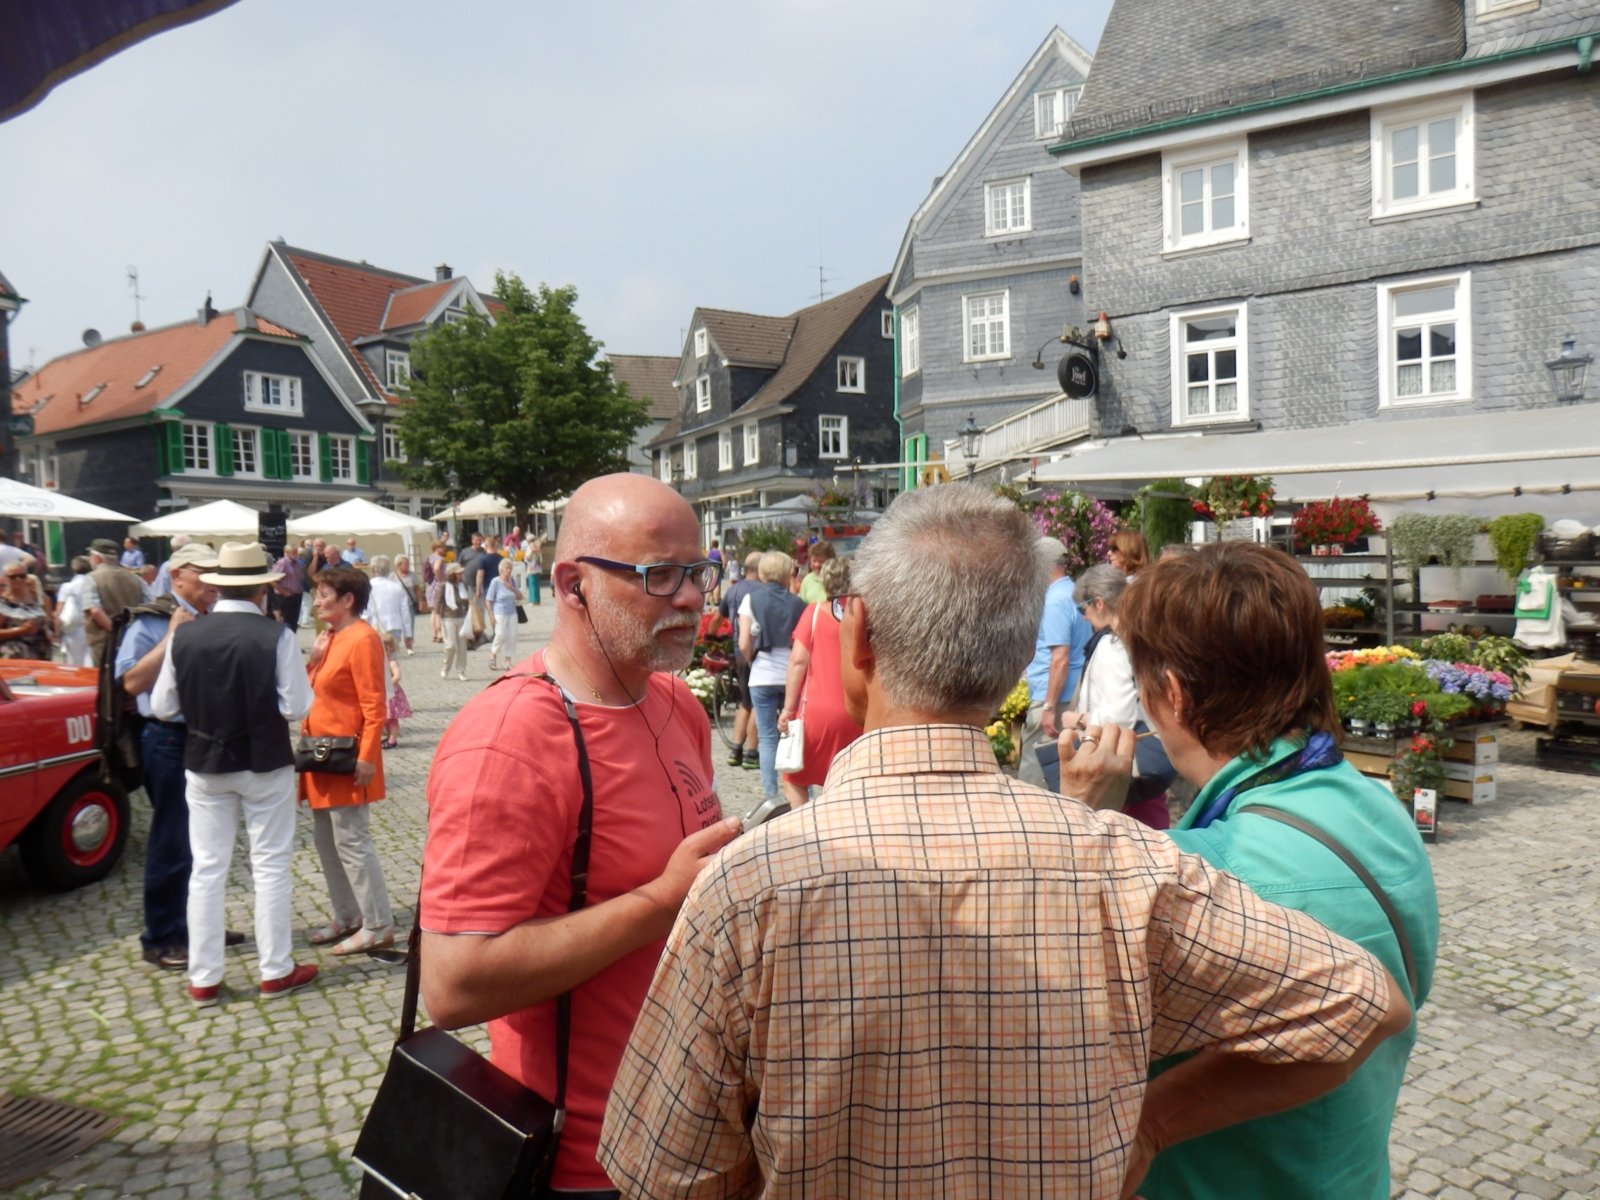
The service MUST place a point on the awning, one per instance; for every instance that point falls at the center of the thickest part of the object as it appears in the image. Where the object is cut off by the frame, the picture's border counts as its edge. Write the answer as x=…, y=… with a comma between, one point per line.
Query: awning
x=1541, y=441
x=219, y=519
x=18, y=499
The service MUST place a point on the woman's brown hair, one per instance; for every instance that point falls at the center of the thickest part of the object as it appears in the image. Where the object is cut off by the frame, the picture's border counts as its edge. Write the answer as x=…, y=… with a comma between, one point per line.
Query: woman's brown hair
x=347, y=581
x=1240, y=628
x=1131, y=545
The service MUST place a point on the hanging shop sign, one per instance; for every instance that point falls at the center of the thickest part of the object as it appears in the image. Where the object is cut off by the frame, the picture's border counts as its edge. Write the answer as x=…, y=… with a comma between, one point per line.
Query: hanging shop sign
x=1077, y=373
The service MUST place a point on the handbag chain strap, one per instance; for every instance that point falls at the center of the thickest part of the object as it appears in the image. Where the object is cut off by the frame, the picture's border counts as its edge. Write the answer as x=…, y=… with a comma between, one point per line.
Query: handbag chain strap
x=580, y=895
x=1350, y=860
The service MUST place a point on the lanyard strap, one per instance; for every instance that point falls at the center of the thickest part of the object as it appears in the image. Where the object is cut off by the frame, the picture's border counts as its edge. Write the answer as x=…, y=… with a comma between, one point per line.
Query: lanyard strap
x=580, y=895
x=1319, y=753
x=1350, y=860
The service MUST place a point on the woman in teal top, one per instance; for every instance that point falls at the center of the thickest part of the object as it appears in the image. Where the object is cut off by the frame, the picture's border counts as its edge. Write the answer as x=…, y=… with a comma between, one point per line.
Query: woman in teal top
x=1227, y=647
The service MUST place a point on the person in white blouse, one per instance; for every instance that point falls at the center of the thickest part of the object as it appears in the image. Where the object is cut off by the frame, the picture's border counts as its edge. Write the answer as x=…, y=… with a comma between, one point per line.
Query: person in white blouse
x=388, y=608
x=1108, y=695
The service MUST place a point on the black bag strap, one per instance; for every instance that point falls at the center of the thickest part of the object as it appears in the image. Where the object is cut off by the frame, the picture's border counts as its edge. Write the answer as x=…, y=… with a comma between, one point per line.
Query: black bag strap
x=580, y=895
x=1361, y=873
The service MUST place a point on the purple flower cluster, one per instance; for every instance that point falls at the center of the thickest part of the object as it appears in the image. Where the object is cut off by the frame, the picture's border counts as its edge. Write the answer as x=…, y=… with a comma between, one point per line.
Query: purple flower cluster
x=1468, y=680
x=1084, y=525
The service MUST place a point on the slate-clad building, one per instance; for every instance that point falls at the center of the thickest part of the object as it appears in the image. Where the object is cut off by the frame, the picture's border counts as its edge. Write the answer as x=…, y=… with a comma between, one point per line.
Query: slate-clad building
x=226, y=406
x=651, y=378
x=767, y=406
x=983, y=281
x=1313, y=217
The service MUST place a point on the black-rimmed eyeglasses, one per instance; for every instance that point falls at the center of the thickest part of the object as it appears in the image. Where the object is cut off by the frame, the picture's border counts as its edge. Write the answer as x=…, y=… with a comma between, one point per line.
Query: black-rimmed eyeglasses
x=663, y=578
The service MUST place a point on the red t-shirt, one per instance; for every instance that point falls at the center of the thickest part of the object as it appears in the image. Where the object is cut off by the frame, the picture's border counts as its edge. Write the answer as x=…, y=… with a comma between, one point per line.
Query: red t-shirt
x=503, y=801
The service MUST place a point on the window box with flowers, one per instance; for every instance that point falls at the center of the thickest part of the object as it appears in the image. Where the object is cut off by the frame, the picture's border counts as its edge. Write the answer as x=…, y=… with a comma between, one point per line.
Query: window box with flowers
x=1328, y=526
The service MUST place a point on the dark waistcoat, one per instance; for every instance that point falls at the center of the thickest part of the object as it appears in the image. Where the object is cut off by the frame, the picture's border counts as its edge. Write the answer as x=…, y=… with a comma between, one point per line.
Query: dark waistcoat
x=226, y=667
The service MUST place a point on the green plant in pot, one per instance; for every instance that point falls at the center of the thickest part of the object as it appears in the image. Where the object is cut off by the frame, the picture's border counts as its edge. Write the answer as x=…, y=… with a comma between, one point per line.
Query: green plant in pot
x=1165, y=513
x=1513, y=537
x=1418, y=537
x=1386, y=710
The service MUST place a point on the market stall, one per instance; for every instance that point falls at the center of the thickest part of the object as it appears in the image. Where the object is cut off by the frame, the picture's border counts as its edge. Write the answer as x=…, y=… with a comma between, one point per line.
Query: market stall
x=219, y=521
x=379, y=530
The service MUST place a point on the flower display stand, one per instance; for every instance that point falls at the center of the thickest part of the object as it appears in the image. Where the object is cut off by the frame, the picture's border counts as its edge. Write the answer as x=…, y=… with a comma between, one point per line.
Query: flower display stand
x=1471, y=765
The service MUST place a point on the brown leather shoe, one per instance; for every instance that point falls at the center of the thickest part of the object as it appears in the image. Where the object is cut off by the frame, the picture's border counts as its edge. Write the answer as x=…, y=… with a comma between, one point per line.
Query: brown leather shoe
x=168, y=958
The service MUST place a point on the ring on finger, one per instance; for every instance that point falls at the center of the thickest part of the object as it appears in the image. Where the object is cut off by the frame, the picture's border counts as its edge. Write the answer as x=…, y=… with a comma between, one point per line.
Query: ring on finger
x=1086, y=740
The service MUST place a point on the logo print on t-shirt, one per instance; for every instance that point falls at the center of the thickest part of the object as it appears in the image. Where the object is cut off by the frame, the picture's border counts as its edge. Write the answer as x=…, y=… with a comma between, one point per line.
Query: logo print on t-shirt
x=706, y=804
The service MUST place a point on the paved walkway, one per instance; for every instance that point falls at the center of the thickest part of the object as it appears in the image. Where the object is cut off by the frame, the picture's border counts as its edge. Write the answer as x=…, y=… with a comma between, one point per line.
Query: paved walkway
x=265, y=1099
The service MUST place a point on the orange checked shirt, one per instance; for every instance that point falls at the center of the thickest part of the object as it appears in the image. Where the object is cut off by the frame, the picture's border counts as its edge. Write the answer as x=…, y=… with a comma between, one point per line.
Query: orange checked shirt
x=936, y=981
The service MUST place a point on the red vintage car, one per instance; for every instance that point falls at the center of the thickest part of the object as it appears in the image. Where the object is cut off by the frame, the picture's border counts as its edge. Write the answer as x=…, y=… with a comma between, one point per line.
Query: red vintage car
x=70, y=825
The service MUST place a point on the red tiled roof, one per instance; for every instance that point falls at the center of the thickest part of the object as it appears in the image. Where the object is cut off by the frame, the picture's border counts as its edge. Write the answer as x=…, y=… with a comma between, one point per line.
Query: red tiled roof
x=353, y=296
x=410, y=306
x=649, y=377
x=179, y=351
x=747, y=339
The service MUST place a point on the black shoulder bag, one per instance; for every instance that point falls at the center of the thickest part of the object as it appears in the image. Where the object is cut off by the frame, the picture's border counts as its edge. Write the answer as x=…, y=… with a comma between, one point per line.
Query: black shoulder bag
x=447, y=1122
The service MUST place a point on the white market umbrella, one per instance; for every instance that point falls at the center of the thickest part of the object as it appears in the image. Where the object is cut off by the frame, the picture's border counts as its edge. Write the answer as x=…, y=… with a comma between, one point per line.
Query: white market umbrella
x=481, y=505
x=357, y=518
x=219, y=519
x=19, y=499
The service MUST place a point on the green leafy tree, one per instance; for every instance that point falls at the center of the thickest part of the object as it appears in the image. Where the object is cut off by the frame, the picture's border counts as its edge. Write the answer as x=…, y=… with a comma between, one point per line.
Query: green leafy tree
x=522, y=407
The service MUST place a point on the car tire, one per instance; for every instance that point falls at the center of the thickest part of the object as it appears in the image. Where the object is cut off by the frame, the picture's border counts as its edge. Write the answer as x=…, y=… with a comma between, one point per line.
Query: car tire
x=79, y=836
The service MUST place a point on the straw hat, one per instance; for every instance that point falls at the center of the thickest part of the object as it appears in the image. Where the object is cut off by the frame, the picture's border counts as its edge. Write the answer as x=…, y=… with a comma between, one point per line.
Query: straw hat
x=242, y=564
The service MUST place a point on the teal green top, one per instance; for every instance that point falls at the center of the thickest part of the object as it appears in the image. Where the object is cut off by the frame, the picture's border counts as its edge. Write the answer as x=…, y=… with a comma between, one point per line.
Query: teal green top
x=1336, y=1147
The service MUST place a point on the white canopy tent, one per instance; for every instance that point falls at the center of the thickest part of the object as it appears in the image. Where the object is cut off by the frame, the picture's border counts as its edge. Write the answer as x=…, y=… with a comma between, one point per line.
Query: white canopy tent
x=18, y=499
x=221, y=519
x=480, y=505
x=381, y=530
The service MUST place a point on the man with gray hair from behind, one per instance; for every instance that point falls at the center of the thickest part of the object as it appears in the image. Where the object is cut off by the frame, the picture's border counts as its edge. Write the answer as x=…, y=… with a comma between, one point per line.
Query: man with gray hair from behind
x=936, y=980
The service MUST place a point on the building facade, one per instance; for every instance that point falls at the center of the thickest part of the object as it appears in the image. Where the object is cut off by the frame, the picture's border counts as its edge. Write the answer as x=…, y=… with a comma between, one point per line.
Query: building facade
x=986, y=279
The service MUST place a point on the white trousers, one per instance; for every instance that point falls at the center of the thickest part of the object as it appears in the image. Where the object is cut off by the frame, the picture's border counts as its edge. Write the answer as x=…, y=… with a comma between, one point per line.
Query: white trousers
x=455, y=646
x=216, y=802
x=75, y=647
x=505, y=638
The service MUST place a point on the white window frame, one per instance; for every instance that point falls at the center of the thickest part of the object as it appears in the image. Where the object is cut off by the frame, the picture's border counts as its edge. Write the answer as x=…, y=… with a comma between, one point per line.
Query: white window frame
x=197, y=440
x=260, y=394
x=1239, y=344
x=886, y=323
x=724, y=449
x=306, y=442
x=1175, y=166
x=665, y=469
x=1490, y=9
x=1064, y=101
x=251, y=435
x=392, y=447
x=1385, y=121
x=702, y=342
x=989, y=354
x=691, y=460
x=397, y=369
x=828, y=431
x=910, y=340
x=850, y=374
x=1388, y=396
x=752, y=444
x=1010, y=226
x=702, y=394
x=45, y=467
x=341, y=458
x=456, y=316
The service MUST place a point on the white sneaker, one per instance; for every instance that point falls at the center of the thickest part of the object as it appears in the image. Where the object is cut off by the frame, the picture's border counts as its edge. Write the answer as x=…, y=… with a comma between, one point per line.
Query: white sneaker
x=410, y=652
x=443, y=674
x=462, y=677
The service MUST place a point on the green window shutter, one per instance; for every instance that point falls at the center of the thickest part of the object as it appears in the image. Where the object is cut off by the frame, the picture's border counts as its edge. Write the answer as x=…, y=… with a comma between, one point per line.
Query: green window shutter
x=363, y=453
x=269, y=454
x=222, y=447
x=325, y=458
x=171, y=443
x=285, y=453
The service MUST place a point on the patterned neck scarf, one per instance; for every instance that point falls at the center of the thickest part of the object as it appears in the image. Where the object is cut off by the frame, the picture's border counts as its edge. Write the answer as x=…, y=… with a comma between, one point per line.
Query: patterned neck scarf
x=1319, y=753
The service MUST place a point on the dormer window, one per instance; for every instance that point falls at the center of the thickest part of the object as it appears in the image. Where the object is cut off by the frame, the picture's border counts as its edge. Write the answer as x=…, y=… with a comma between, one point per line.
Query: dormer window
x=271, y=393
x=702, y=343
x=397, y=369
x=1052, y=110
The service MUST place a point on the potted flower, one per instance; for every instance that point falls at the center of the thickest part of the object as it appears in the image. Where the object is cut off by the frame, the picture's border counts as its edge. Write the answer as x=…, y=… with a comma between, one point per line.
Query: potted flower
x=1387, y=710
x=1227, y=498
x=1328, y=526
x=1083, y=525
x=1420, y=764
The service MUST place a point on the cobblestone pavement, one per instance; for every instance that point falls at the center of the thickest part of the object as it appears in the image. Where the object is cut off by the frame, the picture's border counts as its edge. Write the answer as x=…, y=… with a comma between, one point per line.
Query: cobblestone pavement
x=264, y=1100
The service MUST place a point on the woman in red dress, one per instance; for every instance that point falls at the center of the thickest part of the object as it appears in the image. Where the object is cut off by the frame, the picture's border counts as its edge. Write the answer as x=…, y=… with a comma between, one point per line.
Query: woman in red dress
x=814, y=689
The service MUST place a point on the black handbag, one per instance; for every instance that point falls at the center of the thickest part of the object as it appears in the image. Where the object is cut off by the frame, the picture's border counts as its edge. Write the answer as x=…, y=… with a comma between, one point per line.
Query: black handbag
x=522, y=615
x=325, y=755
x=447, y=1122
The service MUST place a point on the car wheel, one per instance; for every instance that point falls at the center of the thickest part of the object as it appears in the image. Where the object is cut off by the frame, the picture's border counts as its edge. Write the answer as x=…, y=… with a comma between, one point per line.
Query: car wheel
x=79, y=837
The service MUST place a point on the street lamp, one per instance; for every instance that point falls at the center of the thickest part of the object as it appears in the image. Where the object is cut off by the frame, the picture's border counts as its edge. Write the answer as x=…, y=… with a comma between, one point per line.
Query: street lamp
x=970, y=436
x=1568, y=369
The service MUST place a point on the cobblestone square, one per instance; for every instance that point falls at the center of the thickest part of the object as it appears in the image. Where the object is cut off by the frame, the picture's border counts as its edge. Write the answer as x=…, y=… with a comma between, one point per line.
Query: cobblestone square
x=265, y=1100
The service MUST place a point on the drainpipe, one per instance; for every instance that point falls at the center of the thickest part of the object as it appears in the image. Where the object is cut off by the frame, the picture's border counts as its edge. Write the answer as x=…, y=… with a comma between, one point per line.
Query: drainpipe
x=1585, y=52
x=899, y=429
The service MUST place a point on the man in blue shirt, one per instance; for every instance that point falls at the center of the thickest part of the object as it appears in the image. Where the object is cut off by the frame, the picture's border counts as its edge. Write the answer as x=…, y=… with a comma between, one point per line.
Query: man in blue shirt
x=132, y=556
x=353, y=555
x=1057, y=661
x=163, y=584
x=139, y=656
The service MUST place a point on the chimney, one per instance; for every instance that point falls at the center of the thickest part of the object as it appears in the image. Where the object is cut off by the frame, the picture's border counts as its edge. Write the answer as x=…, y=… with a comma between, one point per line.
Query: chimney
x=442, y=272
x=207, y=313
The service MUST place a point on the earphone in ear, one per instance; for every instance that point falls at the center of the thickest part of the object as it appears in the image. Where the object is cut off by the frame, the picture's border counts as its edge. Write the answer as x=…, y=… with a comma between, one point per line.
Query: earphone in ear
x=577, y=590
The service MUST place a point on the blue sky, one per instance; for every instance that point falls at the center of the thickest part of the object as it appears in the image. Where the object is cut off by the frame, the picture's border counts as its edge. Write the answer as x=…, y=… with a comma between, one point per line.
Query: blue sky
x=655, y=155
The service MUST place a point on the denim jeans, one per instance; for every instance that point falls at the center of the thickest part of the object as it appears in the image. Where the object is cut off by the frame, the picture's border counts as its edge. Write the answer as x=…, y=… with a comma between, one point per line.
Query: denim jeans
x=166, y=853
x=768, y=703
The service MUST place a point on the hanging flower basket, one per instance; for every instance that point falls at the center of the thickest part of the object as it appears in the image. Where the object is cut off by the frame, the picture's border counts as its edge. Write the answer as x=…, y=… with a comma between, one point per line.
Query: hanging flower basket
x=1228, y=498
x=1327, y=526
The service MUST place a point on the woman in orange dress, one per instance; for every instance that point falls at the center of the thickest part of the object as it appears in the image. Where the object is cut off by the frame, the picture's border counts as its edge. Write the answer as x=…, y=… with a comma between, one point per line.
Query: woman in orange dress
x=347, y=669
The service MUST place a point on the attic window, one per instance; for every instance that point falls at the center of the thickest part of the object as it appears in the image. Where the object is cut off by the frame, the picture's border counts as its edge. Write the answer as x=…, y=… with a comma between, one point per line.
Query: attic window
x=89, y=396
x=147, y=377
x=700, y=343
x=1052, y=110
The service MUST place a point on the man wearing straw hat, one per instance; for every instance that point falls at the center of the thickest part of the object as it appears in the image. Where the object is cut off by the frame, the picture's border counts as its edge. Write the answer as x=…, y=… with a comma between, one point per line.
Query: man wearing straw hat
x=227, y=676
